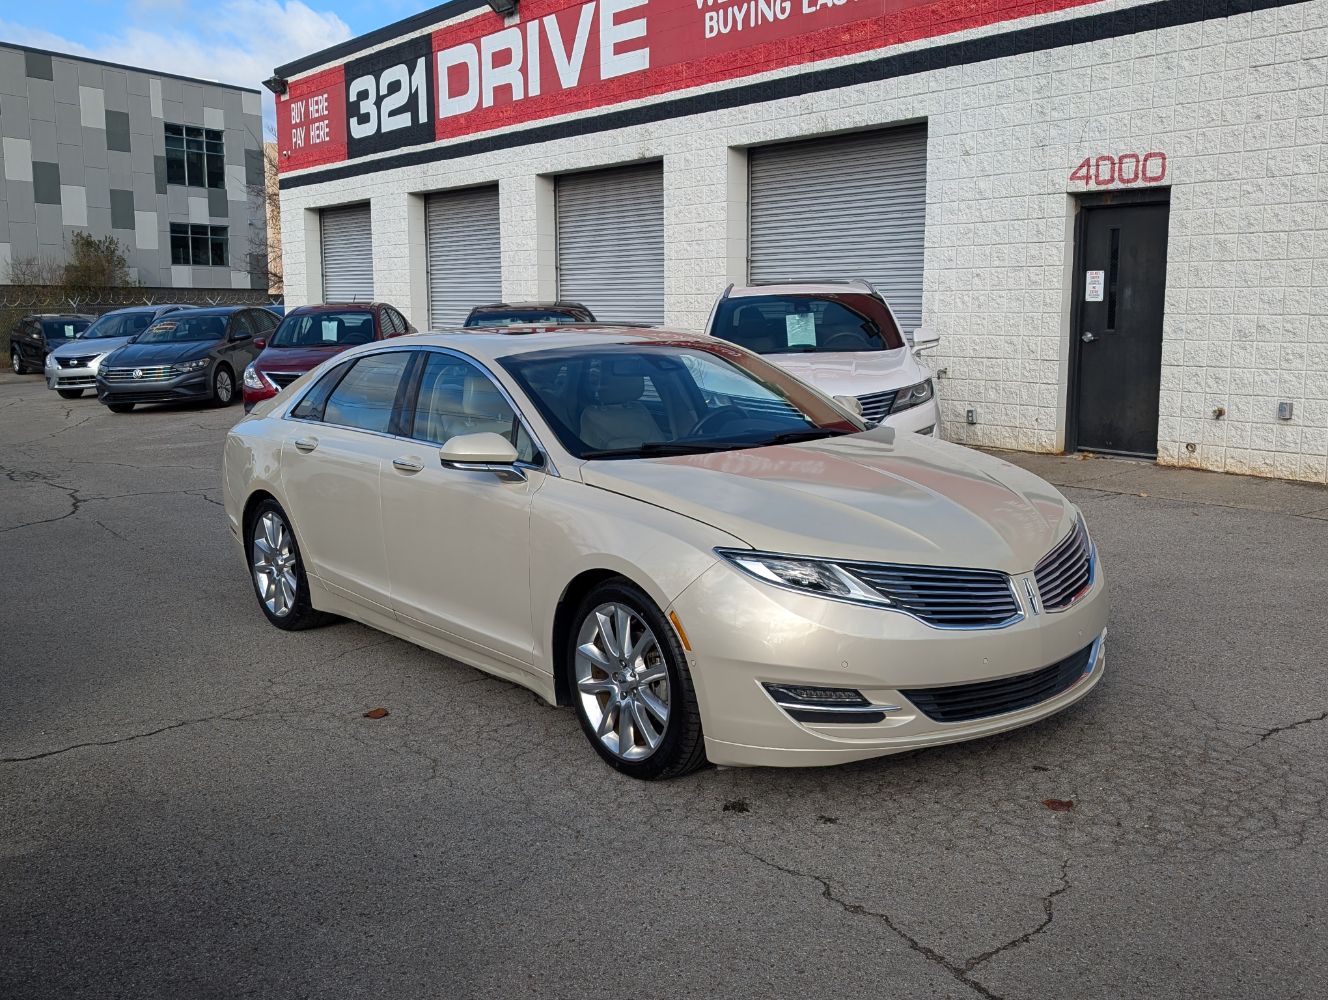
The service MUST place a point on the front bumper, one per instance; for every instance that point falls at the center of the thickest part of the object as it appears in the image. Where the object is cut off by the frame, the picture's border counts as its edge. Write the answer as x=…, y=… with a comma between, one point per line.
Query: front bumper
x=745, y=634
x=193, y=385
x=84, y=377
x=924, y=419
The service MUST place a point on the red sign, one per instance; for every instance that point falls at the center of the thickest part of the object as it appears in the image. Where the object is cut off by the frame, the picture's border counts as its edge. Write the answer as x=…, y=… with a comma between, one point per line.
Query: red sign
x=566, y=56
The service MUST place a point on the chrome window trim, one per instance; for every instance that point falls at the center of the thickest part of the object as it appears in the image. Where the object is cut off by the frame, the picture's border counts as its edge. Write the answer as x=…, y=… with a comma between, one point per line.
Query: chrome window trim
x=548, y=467
x=727, y=552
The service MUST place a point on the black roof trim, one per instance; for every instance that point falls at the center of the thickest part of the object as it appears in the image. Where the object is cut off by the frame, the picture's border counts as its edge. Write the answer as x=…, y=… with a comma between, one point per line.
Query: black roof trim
x=407, y=25
x=1019, y=41
x=124, y=66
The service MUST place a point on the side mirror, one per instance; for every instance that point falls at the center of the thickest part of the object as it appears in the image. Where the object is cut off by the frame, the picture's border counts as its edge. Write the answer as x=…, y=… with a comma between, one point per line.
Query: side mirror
x=482, y=452
x=850, y=403
x=260, y=342
x=924, y=339
x=240, y=335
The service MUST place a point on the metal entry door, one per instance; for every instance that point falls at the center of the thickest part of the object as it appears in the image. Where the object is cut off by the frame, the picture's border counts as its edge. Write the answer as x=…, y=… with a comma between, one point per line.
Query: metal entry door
x=1120, y=287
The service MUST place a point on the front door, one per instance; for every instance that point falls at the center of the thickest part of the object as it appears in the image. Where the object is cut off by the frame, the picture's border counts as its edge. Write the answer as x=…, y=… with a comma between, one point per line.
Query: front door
x=1119, y=289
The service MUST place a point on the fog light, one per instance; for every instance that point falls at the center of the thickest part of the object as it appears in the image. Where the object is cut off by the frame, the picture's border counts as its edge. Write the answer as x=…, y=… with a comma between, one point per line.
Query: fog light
x=816, y=695
x=825, y=705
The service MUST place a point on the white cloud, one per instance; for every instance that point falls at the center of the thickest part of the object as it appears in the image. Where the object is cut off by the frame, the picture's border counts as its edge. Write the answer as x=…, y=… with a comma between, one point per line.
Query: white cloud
x=231, y=41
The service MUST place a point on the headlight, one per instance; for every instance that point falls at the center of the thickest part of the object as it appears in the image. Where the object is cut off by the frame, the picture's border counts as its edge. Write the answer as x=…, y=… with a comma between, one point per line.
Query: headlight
x=253, y=379
x=806, y=576
x=193, y=366
x=50, y=361
x=914, y=395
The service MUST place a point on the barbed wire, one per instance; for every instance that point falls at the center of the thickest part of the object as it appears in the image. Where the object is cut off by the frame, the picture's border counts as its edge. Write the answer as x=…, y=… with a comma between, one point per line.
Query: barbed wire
x=36, y=299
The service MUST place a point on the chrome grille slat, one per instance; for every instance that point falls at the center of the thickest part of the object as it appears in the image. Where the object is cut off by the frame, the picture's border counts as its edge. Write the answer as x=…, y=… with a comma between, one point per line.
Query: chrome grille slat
x=151, y=373
x=877, y=405
x=943, y=596
x=1065, y=571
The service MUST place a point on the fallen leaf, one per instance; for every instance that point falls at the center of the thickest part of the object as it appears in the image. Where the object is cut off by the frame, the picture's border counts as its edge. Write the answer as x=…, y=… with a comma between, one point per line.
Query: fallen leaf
x=1058, y=805
x=1041, y=767
x=376, y=713
x=1143, y=494
x=829, y=820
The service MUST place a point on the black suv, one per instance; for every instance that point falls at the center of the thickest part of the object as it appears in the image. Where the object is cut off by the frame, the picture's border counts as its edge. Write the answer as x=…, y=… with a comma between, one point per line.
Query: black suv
x=530, y=314
x=34, y=337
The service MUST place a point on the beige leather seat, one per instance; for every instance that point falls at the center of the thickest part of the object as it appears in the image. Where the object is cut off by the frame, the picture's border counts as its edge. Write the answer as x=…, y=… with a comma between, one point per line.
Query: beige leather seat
x=484, y=408
x=619, y=419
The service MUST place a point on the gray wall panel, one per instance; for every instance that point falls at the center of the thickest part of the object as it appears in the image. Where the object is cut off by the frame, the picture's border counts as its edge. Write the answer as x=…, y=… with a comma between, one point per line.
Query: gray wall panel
x=14, y=120
x=117, y=130
x=68, y=125
x=66, y=81
x=90, y=75
x=70, y=159
x=13, y=73
x=41, y=100
x=23, y=237
x=117, y=90
x=19, y=196
x=98, y=182
x=94, y=147
x=45, y=183
x=43, y=141
x=50, y=226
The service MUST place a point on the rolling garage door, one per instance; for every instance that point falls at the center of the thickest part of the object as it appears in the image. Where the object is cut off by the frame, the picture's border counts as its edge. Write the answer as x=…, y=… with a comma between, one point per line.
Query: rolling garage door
x=851, y=206
x=347, y=255
x=611, y=242
x=465, y=254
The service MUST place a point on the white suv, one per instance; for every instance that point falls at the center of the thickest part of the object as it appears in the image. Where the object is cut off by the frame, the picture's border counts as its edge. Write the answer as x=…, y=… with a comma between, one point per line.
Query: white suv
x=840, y=336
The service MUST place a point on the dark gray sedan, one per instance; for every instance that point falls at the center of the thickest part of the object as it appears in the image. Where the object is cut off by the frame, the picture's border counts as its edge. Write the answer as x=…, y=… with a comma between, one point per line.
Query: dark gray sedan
x=197, y=354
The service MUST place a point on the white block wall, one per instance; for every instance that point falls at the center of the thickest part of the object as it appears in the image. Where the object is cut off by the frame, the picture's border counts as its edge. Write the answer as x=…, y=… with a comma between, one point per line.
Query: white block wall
x=1237, y=105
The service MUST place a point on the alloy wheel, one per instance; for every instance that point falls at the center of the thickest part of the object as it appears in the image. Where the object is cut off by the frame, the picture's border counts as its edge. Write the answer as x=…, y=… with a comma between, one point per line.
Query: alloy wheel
x=623, y=681
x=16, y=361
x=274, y=563
x=225, y=388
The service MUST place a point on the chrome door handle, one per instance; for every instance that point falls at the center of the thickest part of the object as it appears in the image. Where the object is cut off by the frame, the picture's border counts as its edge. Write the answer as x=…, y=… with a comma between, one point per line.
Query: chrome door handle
x=407, y=464
x=1088, y=337
x=306, y=444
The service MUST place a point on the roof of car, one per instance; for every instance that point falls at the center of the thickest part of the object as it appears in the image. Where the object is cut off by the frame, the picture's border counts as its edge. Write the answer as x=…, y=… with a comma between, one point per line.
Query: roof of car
x=801, y=288
x=560, y=304
x=335, y=307
x=502, y=342
x=59, y=316
x=210, y=311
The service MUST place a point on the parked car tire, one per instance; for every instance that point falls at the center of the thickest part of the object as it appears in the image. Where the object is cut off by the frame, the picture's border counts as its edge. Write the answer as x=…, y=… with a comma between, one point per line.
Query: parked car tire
x=223, y=386
x=120, y=407
x=277, y=571
x=16, y=361
x=636, y=701
x=70, y=393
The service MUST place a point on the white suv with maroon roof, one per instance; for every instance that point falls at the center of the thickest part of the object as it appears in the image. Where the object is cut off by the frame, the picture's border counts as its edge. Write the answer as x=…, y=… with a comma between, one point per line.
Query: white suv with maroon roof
x=841, y=337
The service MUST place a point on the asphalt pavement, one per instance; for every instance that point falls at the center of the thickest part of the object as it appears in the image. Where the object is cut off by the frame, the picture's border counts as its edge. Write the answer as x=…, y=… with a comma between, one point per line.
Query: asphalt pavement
x=193, y=805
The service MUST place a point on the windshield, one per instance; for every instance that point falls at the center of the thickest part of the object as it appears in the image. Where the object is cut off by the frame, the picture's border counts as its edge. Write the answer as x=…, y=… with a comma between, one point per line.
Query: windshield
x=527, y=317
x=64, y=329
x=325, y=329
x=179, y=329
x=660, y=398
x=807, y=324
x=125, y=324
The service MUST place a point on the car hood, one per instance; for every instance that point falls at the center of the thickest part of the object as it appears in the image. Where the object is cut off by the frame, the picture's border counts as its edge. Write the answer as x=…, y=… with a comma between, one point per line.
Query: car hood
x=853, y=374
x=296, y=359
x=88, y=348
x=138, y=355
x=872, y=496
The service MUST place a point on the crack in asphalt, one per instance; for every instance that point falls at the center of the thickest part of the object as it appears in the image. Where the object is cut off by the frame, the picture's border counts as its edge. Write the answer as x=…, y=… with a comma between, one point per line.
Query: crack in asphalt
x=77, y=500
x=959, y=972
x=1321, y=717
x=115, y=742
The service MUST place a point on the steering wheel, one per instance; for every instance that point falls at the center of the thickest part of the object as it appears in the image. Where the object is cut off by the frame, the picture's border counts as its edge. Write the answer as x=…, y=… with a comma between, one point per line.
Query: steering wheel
x=721, y=414
x=853, y=339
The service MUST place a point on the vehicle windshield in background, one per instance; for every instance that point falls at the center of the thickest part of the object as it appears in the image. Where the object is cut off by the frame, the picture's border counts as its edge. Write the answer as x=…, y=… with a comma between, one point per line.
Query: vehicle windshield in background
x=119, y=325
x=324, y=329
x=184, y=328
x=807, y=324
x=643, y=400
x=64, y=329
x=526, y=317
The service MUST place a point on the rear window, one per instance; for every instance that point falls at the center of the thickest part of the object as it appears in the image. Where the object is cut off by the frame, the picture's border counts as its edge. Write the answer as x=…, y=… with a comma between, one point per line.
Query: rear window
x=807, y=324
x=325, y=329
x=64, y=329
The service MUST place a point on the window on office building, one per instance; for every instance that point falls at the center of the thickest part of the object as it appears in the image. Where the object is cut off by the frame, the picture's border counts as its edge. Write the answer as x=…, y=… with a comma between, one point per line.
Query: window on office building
x=201, y=246
x=195, y=156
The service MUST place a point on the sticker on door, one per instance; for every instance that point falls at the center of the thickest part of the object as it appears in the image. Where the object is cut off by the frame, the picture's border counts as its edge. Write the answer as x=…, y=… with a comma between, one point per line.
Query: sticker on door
x=1093, y=284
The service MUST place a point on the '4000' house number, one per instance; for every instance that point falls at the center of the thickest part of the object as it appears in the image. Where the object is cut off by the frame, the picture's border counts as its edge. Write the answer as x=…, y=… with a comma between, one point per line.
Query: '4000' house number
x=1123, y=169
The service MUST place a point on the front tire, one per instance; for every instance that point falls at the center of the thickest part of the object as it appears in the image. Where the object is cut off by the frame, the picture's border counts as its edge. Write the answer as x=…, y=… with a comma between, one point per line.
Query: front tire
x=70, y=393
x=223, y=386
x=633, y=691
x=16, y=362
x=277, y=570
x=120, y=407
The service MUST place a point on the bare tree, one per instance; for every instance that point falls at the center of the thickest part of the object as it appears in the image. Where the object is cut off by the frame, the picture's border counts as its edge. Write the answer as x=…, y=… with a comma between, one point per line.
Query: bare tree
x=265, y=241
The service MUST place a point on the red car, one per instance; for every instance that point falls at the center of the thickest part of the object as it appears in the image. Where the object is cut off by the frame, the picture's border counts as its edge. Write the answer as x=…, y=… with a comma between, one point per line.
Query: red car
x=309, y=335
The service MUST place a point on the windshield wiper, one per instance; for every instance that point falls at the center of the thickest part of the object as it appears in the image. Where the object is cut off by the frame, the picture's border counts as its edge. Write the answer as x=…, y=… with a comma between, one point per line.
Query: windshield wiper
x=791, y=437
x=656, y=448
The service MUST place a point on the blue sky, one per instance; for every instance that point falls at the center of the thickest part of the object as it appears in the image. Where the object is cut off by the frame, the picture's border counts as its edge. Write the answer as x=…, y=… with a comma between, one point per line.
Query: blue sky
x=233, y=41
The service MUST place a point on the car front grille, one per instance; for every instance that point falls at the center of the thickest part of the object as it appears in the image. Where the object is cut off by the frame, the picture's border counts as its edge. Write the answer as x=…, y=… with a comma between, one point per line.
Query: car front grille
x=82, y=362
x=75, y=382
x=282, y=379
x=941, y=596
x=150, y=373
x=876, y=406
x=966, y=702
x=1066, y=571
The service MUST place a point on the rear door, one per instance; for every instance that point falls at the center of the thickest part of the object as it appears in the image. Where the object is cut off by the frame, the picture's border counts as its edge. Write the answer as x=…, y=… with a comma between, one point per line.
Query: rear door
x=331, y=465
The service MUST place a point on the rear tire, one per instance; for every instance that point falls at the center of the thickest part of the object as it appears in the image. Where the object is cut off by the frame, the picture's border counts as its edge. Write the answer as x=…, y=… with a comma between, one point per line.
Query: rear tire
x=120, y=407
x=223, y=386
x=634, y=698
x=276, y=570
x=70, y=393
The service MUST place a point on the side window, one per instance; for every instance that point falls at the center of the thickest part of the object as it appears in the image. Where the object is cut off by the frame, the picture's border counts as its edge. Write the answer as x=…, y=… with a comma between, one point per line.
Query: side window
x=262, y=321
x=365, y=398
x=311, y=406
x=457, y=397
x=239, y=325
x=402, y=325
x=385, y=327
